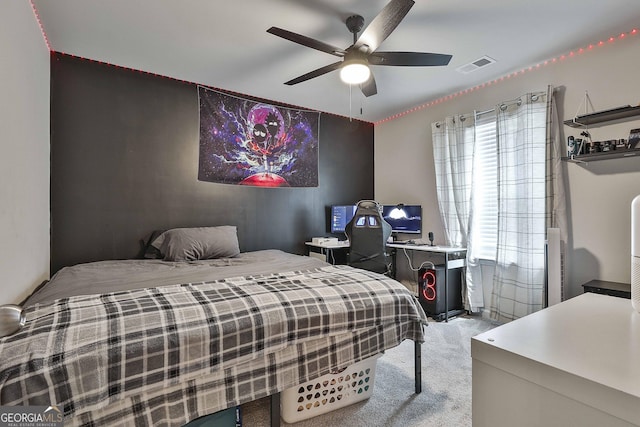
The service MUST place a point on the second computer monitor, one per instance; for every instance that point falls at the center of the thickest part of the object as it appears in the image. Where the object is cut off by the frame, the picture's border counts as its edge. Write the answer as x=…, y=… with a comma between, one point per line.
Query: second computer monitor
x=403, y=218
x=340, y=217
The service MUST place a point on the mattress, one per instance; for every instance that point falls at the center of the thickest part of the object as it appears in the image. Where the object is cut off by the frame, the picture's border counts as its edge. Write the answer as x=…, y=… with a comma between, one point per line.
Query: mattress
x=125, y=275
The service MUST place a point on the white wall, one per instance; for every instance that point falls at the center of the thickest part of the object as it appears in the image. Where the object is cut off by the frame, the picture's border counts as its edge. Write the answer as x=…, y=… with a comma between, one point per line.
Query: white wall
x=598, y=195
x=24, y=163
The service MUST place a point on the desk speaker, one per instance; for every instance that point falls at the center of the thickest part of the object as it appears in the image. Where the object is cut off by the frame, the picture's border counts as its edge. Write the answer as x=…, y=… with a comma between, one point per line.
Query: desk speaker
x=431, y=288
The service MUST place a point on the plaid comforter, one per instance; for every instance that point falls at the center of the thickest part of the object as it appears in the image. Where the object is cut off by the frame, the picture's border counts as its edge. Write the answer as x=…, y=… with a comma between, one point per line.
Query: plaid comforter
x=166, y=355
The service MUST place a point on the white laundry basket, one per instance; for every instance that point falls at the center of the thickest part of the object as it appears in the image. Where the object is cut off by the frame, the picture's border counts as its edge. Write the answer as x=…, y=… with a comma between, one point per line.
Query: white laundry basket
x=328, y=392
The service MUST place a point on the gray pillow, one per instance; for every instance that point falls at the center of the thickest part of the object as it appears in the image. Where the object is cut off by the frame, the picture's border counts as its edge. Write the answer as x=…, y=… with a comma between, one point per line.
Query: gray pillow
x=190, y=244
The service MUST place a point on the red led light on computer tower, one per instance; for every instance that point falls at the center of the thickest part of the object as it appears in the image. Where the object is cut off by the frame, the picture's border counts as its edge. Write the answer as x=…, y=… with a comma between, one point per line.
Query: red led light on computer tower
x=431, y=292
x=428, y=285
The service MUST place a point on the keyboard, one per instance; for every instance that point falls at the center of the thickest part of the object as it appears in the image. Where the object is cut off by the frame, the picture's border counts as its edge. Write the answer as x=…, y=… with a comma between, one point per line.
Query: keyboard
x=408, y=242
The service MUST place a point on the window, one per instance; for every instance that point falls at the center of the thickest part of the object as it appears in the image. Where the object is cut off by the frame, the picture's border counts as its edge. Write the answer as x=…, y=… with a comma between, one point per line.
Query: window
x=485, y=188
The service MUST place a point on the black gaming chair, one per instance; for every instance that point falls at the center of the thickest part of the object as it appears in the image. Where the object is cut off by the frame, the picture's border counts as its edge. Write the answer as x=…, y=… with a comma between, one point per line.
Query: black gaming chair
x=368, y=233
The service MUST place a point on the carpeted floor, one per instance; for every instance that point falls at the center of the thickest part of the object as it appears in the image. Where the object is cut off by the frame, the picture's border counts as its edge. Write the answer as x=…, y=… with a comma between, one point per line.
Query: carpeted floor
x=446, y=385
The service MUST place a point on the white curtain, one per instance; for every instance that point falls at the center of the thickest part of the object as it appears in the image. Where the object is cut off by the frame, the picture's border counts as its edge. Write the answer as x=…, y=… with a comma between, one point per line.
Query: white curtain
x=453, y=145
x=453, y=157
x=519, y=279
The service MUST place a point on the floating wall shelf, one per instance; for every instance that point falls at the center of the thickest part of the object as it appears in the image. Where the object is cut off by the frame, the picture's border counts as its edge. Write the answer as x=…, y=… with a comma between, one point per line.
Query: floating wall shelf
x=619, y=113
x=592, y=157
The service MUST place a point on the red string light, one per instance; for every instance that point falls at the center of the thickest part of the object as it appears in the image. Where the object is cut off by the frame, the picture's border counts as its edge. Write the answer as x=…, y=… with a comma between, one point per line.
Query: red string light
x=554, y=60
x=393, y=117
x=44, y=35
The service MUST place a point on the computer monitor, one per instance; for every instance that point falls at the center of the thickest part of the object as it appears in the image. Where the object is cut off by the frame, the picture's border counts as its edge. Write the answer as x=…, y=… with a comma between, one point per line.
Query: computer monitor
x=403, y=218
x=340, y=217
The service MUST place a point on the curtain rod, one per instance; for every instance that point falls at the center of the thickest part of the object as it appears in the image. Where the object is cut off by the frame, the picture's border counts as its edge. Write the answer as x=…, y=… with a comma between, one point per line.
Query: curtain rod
x=534, y=98
x=503, y=105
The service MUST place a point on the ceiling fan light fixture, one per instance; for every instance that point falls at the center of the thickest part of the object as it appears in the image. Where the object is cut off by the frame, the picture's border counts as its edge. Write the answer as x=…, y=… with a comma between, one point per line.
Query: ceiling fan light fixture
x=355, y=59
x=355, y=72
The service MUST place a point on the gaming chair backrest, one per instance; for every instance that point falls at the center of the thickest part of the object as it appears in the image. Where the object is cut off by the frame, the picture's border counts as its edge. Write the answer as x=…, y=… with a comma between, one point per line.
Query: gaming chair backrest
x=368, y=233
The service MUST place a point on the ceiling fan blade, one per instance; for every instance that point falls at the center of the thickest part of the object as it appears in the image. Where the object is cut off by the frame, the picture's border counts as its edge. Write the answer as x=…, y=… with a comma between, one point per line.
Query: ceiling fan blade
x=315, y=73
x=383, y=24
x=306, y=41
x=369, y=87
x=411, y=59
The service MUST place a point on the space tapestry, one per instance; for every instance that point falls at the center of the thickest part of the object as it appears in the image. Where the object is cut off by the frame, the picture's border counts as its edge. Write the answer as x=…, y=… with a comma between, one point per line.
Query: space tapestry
x=252, y=143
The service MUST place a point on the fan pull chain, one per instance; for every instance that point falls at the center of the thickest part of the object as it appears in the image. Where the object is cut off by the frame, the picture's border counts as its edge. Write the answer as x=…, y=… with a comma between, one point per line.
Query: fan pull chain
x=350, y=113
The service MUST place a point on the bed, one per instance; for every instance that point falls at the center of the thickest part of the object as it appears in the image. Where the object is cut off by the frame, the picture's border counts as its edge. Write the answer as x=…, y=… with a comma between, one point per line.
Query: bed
x=165, y=341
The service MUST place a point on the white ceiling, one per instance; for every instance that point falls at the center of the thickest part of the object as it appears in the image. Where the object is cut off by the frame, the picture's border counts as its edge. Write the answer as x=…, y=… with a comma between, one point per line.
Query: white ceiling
x=225, y=44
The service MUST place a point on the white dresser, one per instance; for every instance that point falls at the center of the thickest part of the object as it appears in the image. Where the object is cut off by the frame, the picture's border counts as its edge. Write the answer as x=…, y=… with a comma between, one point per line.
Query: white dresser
x=576, y=363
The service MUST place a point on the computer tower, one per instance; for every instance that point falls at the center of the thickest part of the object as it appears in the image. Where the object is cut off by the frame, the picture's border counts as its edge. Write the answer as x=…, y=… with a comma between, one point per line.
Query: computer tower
x=431, y=289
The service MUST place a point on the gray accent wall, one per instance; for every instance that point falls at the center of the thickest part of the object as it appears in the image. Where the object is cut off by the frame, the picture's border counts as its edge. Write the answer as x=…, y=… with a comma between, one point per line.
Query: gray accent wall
x=124, y=162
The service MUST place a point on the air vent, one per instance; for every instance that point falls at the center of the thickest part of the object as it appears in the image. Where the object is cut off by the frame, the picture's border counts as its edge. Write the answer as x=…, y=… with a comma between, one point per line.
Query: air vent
x=473, y=66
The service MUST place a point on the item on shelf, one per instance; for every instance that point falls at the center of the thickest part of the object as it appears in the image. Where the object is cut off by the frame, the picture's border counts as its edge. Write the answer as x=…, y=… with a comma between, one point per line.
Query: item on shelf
x=596, y=147
x=634, y=139
x=571, y=146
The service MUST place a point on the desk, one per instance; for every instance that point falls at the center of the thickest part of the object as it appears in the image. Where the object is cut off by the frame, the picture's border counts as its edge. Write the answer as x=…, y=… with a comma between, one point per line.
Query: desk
x=574, y=363
x=454, y=258
x=327, y=249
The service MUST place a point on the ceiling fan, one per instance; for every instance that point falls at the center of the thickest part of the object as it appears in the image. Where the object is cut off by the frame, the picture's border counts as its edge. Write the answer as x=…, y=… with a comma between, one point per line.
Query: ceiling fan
x=354, y=66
